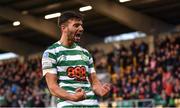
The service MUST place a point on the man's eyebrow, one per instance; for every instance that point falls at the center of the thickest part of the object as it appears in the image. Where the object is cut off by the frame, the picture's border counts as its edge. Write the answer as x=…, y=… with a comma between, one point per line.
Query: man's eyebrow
x=78, y=24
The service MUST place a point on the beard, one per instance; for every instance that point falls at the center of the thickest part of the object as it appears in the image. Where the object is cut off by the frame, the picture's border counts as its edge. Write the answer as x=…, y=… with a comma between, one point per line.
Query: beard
x=70, y=37
x=76, y=37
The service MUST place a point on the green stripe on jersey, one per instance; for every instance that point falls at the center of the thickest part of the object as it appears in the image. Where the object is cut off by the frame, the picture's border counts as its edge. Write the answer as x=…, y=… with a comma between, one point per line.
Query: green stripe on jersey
x=55, y=45
x=87, y=89
x=73, y=82
x=72, y=52
x=52, y=56
x=91, y=65
x=72, y=63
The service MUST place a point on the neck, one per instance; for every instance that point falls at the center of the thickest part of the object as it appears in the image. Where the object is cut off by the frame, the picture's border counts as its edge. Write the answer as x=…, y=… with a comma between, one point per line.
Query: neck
x=64, y=41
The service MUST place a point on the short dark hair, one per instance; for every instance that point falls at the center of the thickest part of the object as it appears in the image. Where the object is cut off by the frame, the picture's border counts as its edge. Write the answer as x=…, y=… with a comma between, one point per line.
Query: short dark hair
x=65, y=16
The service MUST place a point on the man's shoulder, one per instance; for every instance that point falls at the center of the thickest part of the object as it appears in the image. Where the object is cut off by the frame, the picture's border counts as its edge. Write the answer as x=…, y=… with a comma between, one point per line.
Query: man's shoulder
x=83, y=49
x=53, y=46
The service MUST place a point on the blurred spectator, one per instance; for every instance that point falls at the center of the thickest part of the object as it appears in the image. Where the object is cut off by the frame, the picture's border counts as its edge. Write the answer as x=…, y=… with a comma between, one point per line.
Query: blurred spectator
x=21, y=84
x=142, y=75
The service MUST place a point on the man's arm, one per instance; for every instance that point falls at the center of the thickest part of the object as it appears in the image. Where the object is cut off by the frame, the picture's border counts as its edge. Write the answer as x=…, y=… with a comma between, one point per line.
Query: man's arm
x=59, y=92
x=98, y=88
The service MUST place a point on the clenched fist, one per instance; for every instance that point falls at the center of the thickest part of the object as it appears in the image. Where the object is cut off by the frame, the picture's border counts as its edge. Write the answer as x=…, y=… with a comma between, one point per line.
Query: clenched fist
x=79, y=95
x=102, y=90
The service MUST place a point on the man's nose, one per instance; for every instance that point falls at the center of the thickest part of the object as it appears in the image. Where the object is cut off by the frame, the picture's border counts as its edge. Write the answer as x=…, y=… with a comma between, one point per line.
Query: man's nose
x=81, y=29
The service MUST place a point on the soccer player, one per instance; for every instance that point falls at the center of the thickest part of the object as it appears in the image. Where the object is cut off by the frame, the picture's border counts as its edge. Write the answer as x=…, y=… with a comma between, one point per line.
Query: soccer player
x=68, y=68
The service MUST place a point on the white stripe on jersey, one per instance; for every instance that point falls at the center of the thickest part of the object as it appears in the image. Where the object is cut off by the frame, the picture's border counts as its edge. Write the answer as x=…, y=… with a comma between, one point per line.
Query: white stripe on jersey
x=74, y=85
x=65, y=78
x=87, y=93
x=84, y=102
x=69, y=57
x=52, y=71
x=91, y=61
x=91, y=70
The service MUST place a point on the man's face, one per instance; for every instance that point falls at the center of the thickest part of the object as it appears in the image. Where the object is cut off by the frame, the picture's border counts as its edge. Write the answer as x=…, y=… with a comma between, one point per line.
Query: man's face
x=74, y=30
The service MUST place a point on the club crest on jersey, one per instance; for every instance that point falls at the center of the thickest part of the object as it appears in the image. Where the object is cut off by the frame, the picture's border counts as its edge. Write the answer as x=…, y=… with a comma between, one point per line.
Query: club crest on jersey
x=63, y=58
x=45, y=55
x=84, y=57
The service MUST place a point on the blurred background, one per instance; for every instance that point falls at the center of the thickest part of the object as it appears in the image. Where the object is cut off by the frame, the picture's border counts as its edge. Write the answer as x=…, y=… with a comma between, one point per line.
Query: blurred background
x=135, y=45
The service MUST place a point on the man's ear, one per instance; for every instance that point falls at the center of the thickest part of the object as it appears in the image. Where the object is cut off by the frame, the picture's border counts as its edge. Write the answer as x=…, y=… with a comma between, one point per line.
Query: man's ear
x=62, y=27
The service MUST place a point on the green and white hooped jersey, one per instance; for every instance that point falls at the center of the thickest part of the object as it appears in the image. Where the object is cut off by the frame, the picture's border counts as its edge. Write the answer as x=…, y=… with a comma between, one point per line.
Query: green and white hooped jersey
x=72, y=66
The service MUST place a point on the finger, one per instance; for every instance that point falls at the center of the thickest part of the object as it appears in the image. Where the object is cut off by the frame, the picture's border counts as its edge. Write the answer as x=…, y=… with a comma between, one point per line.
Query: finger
x=78, y=90
x=106, y=89
x=106, y=86
x=104, y=92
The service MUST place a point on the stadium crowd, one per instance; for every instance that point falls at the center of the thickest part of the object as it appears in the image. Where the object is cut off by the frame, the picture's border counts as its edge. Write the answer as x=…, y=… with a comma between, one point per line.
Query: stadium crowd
x=134, y=72
x=20, y=84
x=138, y=74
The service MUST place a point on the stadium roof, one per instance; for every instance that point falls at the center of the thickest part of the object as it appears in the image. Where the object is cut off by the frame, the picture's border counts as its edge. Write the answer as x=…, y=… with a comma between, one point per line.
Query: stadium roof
x=107, y=17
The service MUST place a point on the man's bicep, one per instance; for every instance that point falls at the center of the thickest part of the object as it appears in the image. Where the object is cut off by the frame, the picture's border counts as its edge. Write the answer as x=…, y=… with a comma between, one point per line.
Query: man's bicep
x=51, y=79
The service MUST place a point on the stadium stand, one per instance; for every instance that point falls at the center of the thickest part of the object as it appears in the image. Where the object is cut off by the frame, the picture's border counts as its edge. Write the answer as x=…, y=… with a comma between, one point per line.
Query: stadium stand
x=139, y=78
x=138, y=74
x=20, y=84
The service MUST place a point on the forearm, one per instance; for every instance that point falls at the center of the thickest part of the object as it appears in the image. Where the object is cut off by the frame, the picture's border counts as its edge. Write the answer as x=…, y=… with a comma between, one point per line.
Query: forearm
x=96, y=84
x=54, y=88
x=60, y=93
x=97, y=91
x=98, y=88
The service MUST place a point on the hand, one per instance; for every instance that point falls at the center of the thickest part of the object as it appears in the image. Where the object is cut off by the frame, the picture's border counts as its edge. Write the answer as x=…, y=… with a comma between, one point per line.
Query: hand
x=105, y=89
x=79, y=95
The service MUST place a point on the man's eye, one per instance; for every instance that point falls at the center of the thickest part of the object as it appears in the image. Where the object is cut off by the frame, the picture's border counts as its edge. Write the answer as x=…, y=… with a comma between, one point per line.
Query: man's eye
x=76, y=25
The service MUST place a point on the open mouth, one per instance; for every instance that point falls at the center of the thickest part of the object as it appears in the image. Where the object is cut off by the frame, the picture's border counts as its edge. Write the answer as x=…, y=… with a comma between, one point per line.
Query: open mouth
x=77, y=37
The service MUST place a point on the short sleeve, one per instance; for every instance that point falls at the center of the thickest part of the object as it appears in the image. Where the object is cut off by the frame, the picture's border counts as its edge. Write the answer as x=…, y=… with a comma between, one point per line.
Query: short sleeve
x=49, y=62
x=91, y=64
